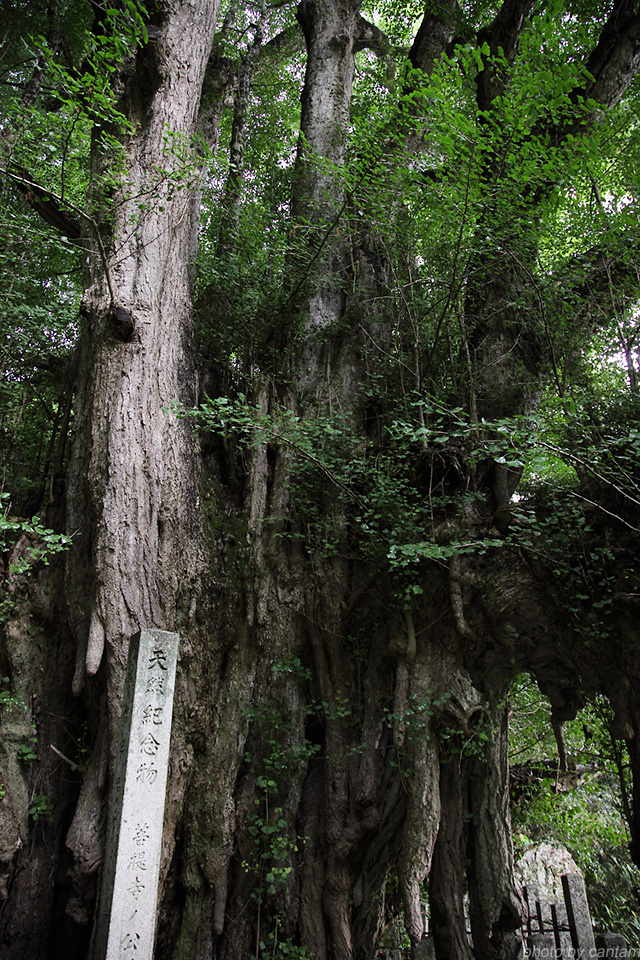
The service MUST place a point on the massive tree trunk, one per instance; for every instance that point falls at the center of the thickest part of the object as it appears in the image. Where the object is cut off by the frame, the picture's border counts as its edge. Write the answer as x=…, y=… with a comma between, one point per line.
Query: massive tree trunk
x=133, y=479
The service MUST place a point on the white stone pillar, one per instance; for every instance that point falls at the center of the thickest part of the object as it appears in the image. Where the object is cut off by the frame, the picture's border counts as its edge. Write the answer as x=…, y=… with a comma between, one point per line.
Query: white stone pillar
x=126, y=924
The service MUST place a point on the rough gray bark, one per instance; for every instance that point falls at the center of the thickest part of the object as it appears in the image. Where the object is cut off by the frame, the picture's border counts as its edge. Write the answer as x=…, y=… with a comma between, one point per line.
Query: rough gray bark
x=129, y=452
x=447, y=879
x=132, y=493
x=332, y=31
x=496, y=903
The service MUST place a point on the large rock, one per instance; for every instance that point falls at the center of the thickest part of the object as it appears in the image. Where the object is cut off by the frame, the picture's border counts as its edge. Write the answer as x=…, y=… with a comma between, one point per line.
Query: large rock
x=542, y=867
x=612, y=945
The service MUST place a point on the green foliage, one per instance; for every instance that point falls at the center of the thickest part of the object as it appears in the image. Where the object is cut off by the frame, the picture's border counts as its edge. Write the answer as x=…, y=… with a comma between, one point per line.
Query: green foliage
x=587, y=822
x=292, y=666
x=48, y=543
x=584, y=809
x=274, y=845
x=416, y=716
x=38, y=328
x=270, y=834
x=456, y=743
x=7, y=701
x=41, y=808
x=397, y=500
x=279, y=948
x=243, y=253
x=119, y=32
x=41, y=546
x=82, y=751
x=60, y=85
x=506, y=200
x=27, y=752
x=280, y=758
x=334, y=476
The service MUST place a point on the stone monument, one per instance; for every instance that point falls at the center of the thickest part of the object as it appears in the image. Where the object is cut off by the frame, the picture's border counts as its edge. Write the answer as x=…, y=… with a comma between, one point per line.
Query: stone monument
x=125, y=929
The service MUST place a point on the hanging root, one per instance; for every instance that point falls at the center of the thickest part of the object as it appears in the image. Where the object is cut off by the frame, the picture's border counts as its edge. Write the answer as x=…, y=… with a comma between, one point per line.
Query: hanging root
x=422, y=819
x=405, y=650
x=457, y=603
x=410, y=653
x=85, y=837
x=79, y=674
x=420, y=832
x=95, y=644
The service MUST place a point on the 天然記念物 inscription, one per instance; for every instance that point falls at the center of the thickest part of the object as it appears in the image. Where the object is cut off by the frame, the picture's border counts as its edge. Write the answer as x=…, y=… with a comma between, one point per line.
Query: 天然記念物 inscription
x=125, y=929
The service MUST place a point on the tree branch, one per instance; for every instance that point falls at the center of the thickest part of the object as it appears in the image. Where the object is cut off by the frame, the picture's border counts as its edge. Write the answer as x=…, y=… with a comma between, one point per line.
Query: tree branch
x=616, y=57
x=606, y=282
x=502, y=37
x=46, y=204
x=610, y=68
x=286, y=43
x=371, y=37
x=435, y=35
x=221, y=77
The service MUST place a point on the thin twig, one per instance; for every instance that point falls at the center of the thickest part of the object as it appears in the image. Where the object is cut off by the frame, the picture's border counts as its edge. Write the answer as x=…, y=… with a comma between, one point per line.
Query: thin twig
x=81, y=213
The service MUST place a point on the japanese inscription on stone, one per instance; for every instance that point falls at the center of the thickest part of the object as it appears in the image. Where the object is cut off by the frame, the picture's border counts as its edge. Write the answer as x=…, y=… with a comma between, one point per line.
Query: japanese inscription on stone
x=129, y=889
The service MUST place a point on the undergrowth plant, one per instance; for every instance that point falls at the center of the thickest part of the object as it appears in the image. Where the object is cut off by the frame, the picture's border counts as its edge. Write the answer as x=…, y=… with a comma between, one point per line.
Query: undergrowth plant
x=42, y=544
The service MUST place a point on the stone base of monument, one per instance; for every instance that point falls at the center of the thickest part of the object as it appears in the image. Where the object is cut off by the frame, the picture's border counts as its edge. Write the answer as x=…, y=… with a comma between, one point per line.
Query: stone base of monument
x=611, y=946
